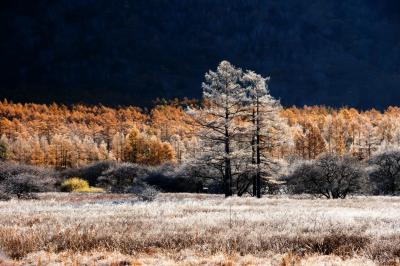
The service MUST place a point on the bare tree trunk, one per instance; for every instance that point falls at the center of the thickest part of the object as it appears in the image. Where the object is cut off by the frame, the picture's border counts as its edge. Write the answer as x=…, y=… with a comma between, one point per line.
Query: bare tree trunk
x=258, y=159
x=253, y=155
x=228, y=170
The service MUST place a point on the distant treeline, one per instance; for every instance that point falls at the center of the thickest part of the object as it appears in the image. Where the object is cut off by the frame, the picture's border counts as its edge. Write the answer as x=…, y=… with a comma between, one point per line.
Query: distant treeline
x=60, y=136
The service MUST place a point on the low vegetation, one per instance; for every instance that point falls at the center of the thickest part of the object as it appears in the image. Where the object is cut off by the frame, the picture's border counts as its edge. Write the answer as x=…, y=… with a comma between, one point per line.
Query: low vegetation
x=195, y=228
x=23, y=181
x=76, y=184
x=330, y=176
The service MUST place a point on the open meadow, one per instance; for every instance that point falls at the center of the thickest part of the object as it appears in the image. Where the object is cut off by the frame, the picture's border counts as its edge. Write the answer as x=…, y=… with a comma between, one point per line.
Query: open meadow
x=198, y=229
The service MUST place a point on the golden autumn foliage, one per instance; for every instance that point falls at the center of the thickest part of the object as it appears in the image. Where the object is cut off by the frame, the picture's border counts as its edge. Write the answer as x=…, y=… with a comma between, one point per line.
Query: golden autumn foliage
x=76, y=184
x=69, y=136
x=309, y=142
x=61, y=136
x=145, y=150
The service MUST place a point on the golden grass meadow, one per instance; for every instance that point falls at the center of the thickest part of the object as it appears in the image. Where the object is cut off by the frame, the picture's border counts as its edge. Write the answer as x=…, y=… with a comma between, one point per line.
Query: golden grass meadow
x=189, y=229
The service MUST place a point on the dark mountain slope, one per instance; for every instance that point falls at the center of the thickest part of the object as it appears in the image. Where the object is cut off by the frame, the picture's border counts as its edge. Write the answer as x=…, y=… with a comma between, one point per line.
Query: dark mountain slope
x=130, y=52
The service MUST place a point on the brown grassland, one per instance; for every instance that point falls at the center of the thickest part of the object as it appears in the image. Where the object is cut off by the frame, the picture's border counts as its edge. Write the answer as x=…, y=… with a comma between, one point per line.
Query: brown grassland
x=188, y=229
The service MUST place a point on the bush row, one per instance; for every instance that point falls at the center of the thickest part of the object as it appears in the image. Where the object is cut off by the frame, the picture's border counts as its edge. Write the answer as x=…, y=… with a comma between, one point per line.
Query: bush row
x=330, y=175
x=24, y=181
x=336, y=176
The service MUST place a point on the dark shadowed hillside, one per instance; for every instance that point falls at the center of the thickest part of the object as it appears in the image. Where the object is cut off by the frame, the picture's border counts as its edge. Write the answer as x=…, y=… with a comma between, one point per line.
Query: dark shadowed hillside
x=130, y=52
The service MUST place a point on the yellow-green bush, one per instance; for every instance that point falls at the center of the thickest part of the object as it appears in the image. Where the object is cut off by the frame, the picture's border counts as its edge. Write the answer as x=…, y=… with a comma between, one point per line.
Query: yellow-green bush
x=76, y=184
x=90, y=190
x=73, y=184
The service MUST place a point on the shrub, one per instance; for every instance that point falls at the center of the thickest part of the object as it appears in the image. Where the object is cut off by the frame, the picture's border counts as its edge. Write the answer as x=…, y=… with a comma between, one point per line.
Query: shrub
x=23, y=180
x=330, y=175
x=385, y=172
x=76, y=184
x=90, y=172
x=23, y=186
x=91, y=190
x=4, y=196
x=144, y=192
x=10, y=169
x=169, y=179
x=121, y=178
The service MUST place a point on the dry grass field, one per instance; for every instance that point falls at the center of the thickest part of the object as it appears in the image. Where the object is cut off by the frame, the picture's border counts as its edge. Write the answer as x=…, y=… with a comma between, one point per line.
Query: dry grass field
x=185, y=229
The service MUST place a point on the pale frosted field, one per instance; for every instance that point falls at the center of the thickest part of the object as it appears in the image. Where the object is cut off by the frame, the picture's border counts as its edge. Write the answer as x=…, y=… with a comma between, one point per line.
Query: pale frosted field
x=74, y=229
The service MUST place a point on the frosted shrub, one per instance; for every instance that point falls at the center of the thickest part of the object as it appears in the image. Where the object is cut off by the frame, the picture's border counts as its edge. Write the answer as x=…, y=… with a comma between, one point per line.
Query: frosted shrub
x=23, y=186
x=89, y=172
x=120, y=178
x=385, y=172
x=145, y=192
x=331, y=176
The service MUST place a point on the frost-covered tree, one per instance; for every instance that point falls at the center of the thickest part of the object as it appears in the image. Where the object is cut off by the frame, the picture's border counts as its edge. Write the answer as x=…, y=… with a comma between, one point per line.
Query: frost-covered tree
x=220, y=120
x=265, y=121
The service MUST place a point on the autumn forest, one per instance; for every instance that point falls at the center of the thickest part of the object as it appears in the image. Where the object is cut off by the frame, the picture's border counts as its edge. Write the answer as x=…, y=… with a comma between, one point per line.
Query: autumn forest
x=70, y=136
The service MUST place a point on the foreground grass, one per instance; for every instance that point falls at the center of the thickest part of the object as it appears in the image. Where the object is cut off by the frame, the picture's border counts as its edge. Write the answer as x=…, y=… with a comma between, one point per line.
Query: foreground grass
x=200, y=229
